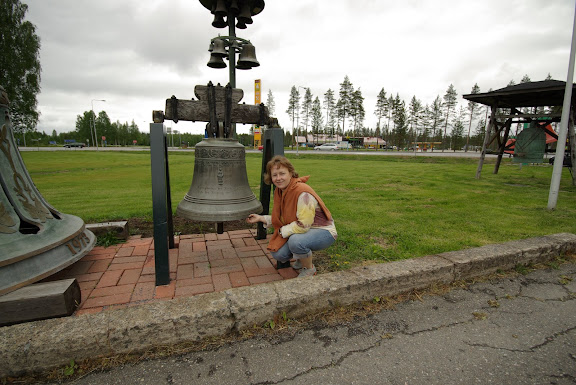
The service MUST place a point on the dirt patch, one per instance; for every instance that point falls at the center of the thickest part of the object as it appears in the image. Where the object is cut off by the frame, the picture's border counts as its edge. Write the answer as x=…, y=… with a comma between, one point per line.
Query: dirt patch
x=145, y=227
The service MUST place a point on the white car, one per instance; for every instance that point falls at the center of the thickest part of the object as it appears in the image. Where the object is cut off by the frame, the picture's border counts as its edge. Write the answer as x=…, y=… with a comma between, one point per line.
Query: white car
x=327, y=147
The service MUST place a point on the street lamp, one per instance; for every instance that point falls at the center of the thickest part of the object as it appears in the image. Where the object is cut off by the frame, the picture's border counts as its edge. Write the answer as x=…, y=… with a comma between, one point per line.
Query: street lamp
x=94, y=121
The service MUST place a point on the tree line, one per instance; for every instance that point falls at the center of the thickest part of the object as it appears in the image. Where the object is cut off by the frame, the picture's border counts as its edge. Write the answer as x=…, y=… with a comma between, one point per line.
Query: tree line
x=398, y=123
x=442, y=124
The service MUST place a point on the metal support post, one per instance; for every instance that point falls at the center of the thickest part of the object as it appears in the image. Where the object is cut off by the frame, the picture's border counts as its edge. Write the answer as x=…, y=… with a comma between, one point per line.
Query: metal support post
x=160, y=199
x=273, y=142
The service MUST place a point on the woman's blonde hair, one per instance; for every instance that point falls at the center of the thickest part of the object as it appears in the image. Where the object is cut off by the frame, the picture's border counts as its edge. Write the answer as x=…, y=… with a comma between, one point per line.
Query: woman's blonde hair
x=278, y=161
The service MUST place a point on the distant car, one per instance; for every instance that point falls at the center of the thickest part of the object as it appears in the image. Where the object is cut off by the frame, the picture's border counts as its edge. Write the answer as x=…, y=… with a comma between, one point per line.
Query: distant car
x=75, y=144
x=260, y=148
x=327, y=147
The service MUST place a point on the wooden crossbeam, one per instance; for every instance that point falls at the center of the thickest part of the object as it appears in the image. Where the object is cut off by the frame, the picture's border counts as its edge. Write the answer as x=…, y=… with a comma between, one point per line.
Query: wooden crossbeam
x=199, y=110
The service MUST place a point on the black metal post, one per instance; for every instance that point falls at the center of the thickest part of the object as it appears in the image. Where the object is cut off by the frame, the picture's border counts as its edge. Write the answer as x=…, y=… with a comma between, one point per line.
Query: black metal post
x=273, y=144
x=159, y=166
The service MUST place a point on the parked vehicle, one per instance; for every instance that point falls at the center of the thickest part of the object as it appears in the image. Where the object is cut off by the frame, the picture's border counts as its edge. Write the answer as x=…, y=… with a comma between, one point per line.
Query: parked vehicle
x=327, y=147
x=75, y=144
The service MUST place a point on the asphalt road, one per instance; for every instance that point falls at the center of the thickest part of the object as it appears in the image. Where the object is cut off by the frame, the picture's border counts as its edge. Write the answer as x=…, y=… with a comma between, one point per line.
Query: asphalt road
x=513, y=330
x=461, y=154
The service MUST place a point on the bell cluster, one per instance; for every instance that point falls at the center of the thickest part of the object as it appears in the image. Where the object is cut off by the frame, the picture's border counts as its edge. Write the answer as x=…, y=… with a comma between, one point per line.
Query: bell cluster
x=226, y=11
x=247, y=59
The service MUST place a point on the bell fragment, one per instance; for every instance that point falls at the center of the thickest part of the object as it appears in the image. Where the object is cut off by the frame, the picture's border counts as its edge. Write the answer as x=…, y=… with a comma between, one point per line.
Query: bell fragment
x=220, y=191
x=36, y=240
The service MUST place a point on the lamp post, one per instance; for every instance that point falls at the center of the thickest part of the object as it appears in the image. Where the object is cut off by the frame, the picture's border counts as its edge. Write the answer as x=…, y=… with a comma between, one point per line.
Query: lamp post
x=94, y=121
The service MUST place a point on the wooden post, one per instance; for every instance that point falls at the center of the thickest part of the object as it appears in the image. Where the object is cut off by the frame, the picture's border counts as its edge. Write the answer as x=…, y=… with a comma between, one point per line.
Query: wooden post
x=507, y=126
x=491, y=123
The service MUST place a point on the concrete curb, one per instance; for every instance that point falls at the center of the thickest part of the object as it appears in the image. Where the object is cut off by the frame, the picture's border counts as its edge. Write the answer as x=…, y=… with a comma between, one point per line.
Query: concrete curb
x=42, y=345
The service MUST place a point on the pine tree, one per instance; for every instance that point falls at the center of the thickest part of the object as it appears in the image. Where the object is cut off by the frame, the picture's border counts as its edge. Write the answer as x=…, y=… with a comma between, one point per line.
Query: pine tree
x=399, y=117
x=381, y=109
x=436, y=118
x=270, y=103
x=344, y=101
x=306, y=110
x=449, y=105
x=293, y=108
x=84, y=127
x=19, y=64
x=458, y=130
x=472, y=108
x=357, y=112
x=317, y=118
x=329, y=105
x=414, y=110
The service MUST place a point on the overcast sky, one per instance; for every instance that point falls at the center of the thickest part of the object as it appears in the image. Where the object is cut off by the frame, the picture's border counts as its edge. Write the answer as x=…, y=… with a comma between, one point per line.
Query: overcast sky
x=136, y=53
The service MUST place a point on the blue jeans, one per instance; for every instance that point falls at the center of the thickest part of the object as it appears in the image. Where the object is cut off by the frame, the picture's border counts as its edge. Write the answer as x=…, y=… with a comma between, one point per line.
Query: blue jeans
x=302, y=245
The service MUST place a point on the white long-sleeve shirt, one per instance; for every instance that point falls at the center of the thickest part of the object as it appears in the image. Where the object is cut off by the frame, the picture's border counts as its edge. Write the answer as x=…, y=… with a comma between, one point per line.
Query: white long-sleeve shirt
x=310, y=215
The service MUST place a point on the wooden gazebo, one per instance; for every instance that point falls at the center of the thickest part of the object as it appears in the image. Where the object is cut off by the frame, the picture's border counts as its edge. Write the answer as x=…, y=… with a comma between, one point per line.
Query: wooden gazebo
x=547, y=93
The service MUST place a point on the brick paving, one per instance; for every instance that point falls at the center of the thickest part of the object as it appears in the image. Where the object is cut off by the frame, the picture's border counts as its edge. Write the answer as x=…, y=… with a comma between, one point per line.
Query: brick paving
x=123, y=275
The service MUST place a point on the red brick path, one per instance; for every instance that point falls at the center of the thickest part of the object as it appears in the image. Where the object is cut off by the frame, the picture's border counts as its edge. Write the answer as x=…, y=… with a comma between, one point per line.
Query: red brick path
x=123, y=275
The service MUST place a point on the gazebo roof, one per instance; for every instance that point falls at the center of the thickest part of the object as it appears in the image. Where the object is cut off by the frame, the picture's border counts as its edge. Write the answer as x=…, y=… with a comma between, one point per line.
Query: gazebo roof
x=531, y=94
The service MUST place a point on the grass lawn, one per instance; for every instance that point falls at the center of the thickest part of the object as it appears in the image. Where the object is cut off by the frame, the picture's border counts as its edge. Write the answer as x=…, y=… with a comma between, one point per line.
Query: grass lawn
x=385, y=207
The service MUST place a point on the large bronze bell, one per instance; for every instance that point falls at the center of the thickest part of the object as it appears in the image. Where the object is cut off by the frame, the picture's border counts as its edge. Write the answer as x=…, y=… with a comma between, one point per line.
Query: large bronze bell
x=220, y=191
x=36, y=240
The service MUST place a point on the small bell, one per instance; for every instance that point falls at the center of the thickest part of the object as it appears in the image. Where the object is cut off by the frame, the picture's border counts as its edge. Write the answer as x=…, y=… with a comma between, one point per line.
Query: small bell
x=240, y=24
x=220, y=8
x=219, y=22
x=216, y=61
x=245, y=16
x=247, y=57
x=218, y=48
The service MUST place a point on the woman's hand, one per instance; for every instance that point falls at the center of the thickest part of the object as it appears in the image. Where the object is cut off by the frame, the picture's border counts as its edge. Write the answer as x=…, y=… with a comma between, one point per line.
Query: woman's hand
x=255, y=218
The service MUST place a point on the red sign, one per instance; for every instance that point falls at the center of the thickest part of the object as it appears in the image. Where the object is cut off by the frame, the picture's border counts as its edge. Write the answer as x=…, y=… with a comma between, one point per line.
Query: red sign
x=103, y=138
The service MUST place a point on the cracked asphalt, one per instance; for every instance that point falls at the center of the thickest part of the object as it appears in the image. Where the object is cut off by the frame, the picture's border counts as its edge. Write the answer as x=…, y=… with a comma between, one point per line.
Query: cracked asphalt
x=513, y=330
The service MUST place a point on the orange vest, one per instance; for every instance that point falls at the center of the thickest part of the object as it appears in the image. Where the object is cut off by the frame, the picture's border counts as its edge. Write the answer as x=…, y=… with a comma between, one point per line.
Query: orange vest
x=285, y=208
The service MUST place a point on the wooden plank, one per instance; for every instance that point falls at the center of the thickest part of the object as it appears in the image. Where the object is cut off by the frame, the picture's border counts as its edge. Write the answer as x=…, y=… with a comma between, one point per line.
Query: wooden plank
x=201, y=93
x=40, y=301
x=197, y=111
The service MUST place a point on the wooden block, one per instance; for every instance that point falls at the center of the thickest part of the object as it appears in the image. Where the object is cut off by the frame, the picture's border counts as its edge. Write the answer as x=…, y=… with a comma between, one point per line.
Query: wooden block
x=40, y=301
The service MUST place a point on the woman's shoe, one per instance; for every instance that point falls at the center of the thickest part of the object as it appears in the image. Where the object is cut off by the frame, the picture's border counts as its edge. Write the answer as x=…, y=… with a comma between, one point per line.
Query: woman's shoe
x=304, y=272
x=297, y=265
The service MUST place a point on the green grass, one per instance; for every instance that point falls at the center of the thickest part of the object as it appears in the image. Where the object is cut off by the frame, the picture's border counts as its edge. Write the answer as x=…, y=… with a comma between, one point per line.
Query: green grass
x=385, y=207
